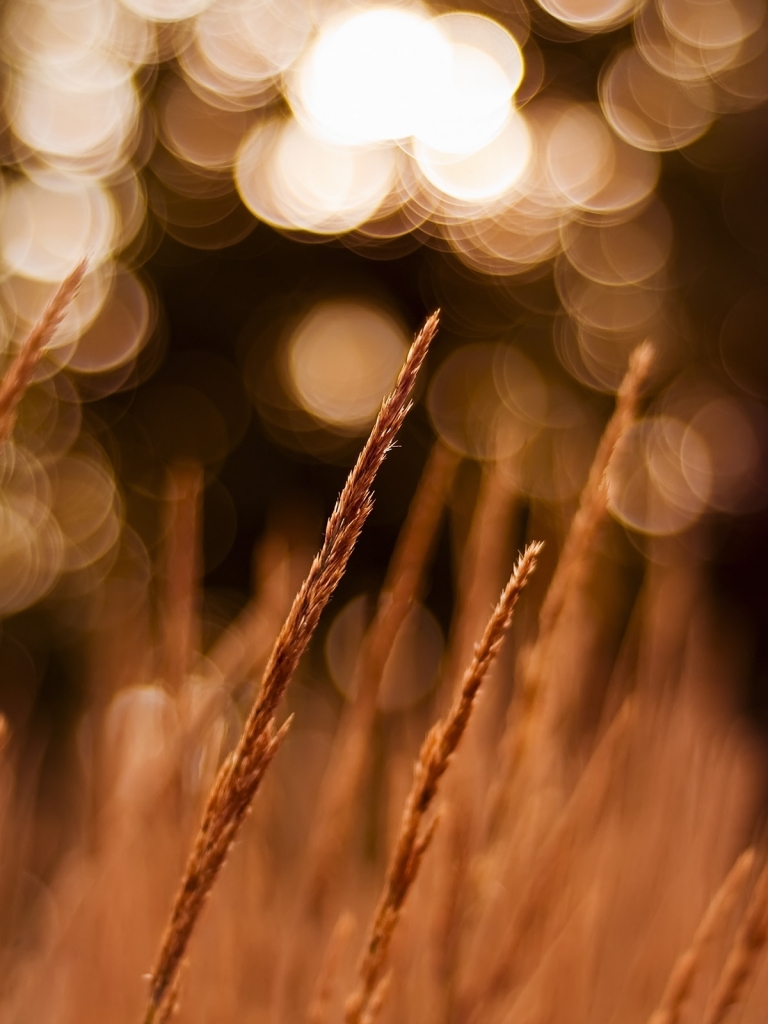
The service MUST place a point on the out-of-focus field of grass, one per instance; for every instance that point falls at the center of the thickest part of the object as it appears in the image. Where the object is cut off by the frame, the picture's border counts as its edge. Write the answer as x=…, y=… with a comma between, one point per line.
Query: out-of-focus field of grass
x=270, y=197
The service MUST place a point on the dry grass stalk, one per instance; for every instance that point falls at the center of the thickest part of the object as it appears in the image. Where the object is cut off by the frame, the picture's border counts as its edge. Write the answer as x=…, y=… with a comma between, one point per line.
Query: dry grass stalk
x=243, y=647
x=180, y=630
x=228, y=804
x=247, y=641
x=350, y=750
x=593, y=502
x=579, y=543
x=236, y=785
x=377, y=999
x=480, y=575
x=491, y=976
x=454, y=907
x=325, y=987
x=483, y=558
x=748, y=948
x=435, y=755
x=567, y=957
x=678, y=988
x=27, y=359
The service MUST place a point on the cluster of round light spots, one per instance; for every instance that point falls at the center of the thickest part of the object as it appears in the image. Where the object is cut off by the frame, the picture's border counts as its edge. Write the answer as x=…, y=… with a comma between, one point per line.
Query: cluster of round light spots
x=75, y=120
x=470, y=405
x=413, y=663
x=579, y=170
x=60, y=510
x=396, y=119
x=690, y=61
x=114, y=337
x=74, y=114
x=699, y=450
x=293, y=179
x=238, y=49
x=57, y=516
x=48, y=221
x=379, y=120
x=489, y=402
x=660, y=478
x=371, y=76
x=104, y=329
x=72, y=99
x=391, y=109
x=611, y=282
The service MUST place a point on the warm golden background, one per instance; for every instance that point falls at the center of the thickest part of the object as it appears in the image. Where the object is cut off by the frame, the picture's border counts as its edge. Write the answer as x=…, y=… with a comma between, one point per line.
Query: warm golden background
x=272, y=195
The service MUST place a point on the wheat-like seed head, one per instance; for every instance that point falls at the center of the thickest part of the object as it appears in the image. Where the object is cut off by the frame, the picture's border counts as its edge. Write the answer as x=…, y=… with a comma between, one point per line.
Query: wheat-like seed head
x=240, y=777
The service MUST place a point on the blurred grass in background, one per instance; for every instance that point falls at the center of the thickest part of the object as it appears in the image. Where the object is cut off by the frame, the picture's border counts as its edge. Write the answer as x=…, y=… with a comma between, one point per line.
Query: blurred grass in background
x=272, y=196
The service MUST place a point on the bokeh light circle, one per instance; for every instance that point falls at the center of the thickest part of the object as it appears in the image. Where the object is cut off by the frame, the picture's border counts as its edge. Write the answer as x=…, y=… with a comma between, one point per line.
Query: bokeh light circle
x=471, y=104
x=595, y=15
x=413, y=662
x=660, y=477
x=48, y=225
x=372, y=76
x=650, y=110
x=475, y=409
x=341, y=361
x=291, y=178
x=484, y=174
x=167, y=10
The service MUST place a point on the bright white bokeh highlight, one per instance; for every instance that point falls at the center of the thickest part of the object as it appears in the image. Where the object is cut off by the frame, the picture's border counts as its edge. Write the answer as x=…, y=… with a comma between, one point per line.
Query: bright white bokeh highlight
x=472, y=100
x=486, y=173
x=372, y=77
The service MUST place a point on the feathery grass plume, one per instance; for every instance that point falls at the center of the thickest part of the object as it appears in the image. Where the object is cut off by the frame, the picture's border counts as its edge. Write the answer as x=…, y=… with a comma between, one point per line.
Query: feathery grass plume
x=180, y=638
x=435, y=756
x=401, y=587
x=333, y=818
x=678, y=988
x=27, y=359
x=240, y=776
x=227, y=806
x=481, y=574
x=748, y=948
x=592, y=510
